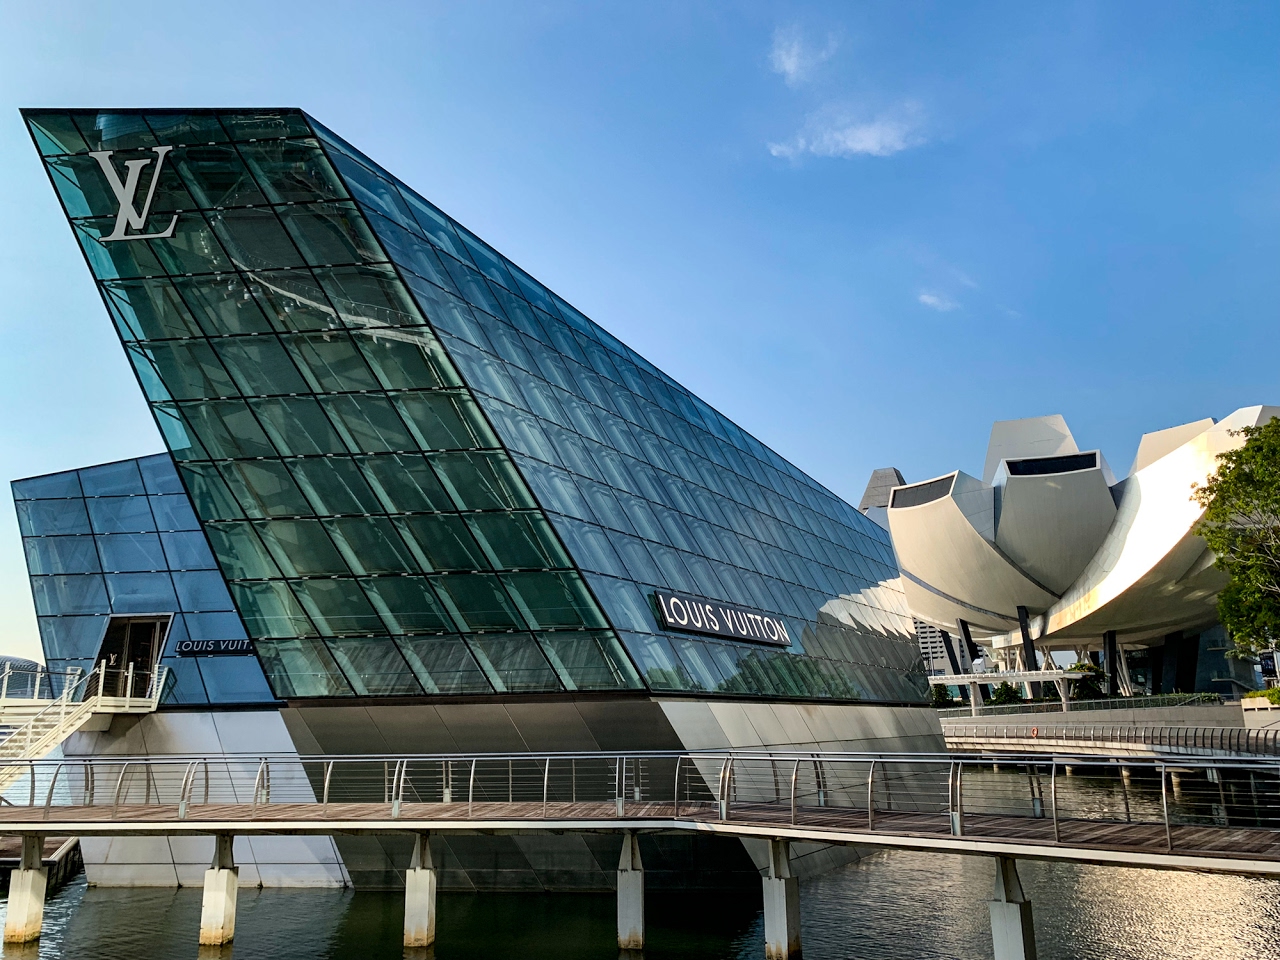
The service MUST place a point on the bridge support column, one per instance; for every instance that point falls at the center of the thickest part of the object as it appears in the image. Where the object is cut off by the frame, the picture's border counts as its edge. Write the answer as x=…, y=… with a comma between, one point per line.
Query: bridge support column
x=221, y=883
x=26, y=894
x=420, y=896
x=781, y=905
x=630, y=894
x=1012, y=933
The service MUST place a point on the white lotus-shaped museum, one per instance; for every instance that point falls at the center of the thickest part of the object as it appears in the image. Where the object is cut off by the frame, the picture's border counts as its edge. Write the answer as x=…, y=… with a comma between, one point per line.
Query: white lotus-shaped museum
x=1049, y=528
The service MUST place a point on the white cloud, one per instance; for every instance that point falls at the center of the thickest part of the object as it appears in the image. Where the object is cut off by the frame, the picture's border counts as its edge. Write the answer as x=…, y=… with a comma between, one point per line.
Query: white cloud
x=793, y=58
x=837, y=132
x=935, y=302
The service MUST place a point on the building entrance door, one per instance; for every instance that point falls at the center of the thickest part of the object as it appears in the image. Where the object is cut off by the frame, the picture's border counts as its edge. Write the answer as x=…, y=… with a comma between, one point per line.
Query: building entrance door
x=127, y=658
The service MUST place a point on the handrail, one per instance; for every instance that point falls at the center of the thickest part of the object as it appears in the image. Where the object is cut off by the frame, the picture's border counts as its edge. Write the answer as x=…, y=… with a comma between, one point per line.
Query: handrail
x=1222, y=739
x=1076, y=706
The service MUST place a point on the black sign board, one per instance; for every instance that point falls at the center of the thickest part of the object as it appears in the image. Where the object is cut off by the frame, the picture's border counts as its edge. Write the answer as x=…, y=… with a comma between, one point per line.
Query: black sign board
x=679, y=611
x=213, y=648
x=1268, y=661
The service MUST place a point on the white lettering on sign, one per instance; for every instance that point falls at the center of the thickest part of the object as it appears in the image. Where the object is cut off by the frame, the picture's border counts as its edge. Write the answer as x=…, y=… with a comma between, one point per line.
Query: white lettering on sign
x=678, y=611
x=126, y=192
x=212, y=648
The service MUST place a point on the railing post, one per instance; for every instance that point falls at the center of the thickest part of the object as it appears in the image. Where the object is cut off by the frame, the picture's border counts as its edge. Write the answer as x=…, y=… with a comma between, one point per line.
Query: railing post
x=328, y=775
x=128, y=682
x=257, y=785
x=1053, y=798
x=188, y=783
x=4, y=690
x=397, y=787
x=115, y=803
x=957, y=799
x=726, y=776
x=795, y=775
x=871, y=796
x=619, y=788
x=1164, y=807
x=471, y=788
x=546, y=777
x=675, y=801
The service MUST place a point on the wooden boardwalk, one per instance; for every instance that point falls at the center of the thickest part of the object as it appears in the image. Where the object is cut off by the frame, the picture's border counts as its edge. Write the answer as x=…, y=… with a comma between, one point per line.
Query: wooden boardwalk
x=1252, y=849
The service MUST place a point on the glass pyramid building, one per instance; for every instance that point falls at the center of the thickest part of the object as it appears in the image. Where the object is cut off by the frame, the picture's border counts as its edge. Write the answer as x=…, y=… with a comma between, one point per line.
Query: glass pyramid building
x=422, y=473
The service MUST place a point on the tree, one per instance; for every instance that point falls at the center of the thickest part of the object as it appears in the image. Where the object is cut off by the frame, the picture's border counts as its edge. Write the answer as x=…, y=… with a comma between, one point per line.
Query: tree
x=1241, y=525
x=1006, y=693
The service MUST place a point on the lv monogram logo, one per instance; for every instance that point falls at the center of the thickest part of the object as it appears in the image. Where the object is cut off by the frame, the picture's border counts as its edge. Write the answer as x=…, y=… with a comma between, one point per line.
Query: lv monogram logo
x=129, y=217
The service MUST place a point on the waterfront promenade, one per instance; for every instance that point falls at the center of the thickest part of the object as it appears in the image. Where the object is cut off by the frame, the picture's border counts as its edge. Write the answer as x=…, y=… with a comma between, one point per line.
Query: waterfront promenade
x=1190, y=814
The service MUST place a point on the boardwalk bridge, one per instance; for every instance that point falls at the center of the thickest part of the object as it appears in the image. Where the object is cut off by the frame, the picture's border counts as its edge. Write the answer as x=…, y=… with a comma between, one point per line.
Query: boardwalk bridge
x=1205, y=814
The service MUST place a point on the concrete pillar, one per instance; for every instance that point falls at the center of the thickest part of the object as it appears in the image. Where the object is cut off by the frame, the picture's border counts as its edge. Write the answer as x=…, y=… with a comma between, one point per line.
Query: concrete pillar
x=781, y=905
x=1012, y=933
x=630, y=894
x=420, y=896
x=1028, y=651
x=1109, y=662
x=1064, y=691
x=221, y=883
x=26, y=894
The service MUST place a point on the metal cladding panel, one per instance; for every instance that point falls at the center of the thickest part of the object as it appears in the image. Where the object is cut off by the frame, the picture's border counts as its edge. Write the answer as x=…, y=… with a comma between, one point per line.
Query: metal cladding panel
x=376, y=415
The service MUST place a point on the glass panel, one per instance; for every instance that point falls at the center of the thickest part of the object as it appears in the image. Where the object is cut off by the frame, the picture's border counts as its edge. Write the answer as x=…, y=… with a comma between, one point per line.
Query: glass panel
x=209, y=492
x=254, y=239
x=264, y=489
x=187, y=550
x=550, y=600
x=226, y=428
x=192, y=248
x=375, y=668
x=587, y=661
x=234, y=680
x=337, y=607
x=222, y=305
x=292, y=171
x=298, y=426
x=434, y=224
x=332, y=233
x=444, y=665
x=189, y=369
x=445, y=421
x=371, y=545
x=407, y=605
x=331, y=362
x=301, y=668
x=293, y=300
x=260, y=366
x=216, y=177
x=270, y=610
x=112, y=480
x=186, y=128
x=514, y=664
x=368, y=188
x=518, y=540
x=113, y=131
x=60, y=555
x=370, y=422
x=481, y=481
x=405, y=483
x=215, y=626
x=478, y=601
x=443, y=542
x=53, y=485
x=335, y=485
x=63, y=594
x=149, y=310
x=370, y=296
x=55, y=133
x=265, y=124
x=121, y=515
x=301, y=547
x=112, y=260
x=407, y=359
x=201, y=590
x=50, y=517
x=122, y=552
x=240, y=553
x=71, y=637
x=141, y=593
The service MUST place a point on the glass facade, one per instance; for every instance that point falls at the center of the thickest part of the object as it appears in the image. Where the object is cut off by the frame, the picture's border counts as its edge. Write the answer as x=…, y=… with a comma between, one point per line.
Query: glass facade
x=423, y=472
x=121, y=539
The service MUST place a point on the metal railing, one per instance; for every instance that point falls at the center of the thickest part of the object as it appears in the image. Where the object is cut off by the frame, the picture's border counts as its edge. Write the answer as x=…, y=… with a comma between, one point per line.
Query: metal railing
x=21, y=683
x=1236, y=740
x=1077, y=706
x=1154, y=804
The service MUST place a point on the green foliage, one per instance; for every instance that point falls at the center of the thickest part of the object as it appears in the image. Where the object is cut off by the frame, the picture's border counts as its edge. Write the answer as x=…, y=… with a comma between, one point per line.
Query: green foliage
x=1006, y=693
x=1271, y=693
x=1241, y=525
x=942, y=696
x=1089, y=687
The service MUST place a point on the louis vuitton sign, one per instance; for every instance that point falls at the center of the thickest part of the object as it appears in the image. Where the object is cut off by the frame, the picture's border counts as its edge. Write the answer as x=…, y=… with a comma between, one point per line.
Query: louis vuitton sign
x=679, y=611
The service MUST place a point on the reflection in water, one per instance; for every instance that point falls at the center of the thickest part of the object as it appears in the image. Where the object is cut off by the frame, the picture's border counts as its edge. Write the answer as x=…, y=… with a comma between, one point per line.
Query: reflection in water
x=890, y=906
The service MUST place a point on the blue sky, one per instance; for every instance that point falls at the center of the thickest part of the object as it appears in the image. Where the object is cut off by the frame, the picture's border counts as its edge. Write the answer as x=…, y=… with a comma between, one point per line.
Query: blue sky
x=863, y=231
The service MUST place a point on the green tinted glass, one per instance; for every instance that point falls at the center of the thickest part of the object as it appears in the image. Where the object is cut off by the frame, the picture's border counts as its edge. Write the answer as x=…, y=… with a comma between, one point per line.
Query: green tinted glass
x=514, y=664
x=293, y=300
x=301, y=547
x=260, y=366
x=337, y=607
x=478, y=601
x=553, y=600
x=445, y=421
x=371, y=545
x=270, y=610
x=443, y=542
x=331, y=362
x=292, y=171
x=209, y=494
x=518, y=540
x=263, y=488
x=407, y=605
x=240, y=552
x=590, y=661
x=370, y=296
x=481, y=481
x=370, y=423
x=331, y=233
x=444, y=665
x=405, y=483
x=334, y=486
x=222, y=305
x=301, y=668
x=375, y=667
x=298, y=426
x=149, y=310
x=407, y=359
x=226, y=428
x=216, y=176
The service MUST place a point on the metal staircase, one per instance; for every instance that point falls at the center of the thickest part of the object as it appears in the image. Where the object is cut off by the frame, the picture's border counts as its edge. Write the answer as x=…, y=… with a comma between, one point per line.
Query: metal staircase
x=32, y=727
